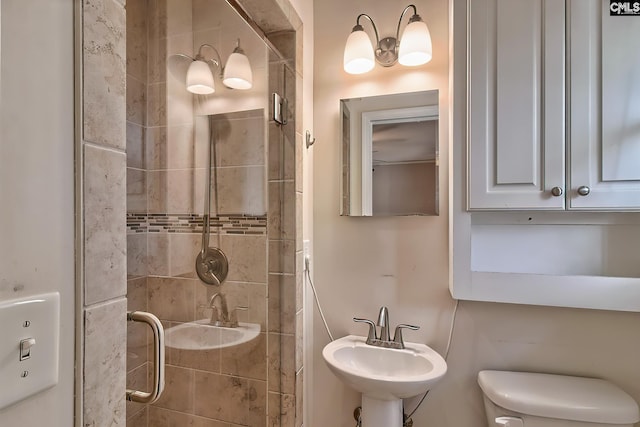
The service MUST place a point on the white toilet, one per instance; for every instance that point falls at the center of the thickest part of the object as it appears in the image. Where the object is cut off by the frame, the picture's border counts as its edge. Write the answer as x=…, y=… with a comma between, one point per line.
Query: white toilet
x=522, y=399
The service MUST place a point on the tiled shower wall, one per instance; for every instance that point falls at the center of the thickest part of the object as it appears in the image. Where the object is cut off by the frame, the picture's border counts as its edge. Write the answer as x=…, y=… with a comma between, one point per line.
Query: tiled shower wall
x=258, y=383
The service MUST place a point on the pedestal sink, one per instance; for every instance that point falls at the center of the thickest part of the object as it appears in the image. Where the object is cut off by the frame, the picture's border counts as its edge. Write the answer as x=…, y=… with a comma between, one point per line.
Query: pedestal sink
x=384, y=376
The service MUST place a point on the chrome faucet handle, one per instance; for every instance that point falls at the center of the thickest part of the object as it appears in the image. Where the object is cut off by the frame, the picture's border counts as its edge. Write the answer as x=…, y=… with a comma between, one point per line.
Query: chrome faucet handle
x=383, y=322
x=214, y=315
x=397, y=335
x=233, y=316
x=372, y=328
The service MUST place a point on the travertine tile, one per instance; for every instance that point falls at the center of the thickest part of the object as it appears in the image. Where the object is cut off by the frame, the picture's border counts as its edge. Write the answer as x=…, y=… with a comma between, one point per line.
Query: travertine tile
x=179, y=103
x=202, y=360
x=104, y=364
x=282, y=363
x=298, y=351
x=178, y=393
x=136, y=191
x=139, y=419
x=230, y=406
x=170, y=148
x=299, y=397
x=281, y=256
x=240, y=141
x=104, y=53
x=135, y=146
x=269, y=18
x=172, y=299
x=184, y=248
x=281, y=219
x=136, y=100
x=157, y=104
x=257, y=305
x=282, y=303
x=179, y=16
x=158, y=254
x=176, y=191
x=241, y=190
x=159, y=417
x=136, y=332
x=136, y=255
x=105, y=242
x=281, y=410
x=248, y=360
x=243, y=401
x=137, y=39
x=247, y=257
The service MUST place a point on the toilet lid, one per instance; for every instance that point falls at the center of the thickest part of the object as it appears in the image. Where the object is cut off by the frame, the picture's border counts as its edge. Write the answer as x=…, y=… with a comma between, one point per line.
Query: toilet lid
x=558, y=396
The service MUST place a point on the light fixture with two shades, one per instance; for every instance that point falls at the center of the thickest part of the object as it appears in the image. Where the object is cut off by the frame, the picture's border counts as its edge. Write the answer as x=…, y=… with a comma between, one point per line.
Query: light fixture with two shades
x=236, y=74
x=414, y=48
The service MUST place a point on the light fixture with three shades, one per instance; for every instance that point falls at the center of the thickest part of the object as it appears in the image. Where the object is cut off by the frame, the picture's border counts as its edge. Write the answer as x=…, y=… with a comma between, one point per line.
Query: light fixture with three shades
x=414, y=48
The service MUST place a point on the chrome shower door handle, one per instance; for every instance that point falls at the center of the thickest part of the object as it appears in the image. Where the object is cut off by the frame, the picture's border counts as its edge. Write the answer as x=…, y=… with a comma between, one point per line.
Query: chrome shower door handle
x=158, y=358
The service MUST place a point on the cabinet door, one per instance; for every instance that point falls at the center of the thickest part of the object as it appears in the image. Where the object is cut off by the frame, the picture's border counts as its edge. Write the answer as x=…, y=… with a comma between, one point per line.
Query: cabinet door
x=604, y=143
x=516, y=104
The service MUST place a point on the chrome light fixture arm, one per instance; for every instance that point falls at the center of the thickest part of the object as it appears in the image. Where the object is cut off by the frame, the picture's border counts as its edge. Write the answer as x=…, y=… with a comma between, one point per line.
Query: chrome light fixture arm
x=217, y=61
x=415, y=17
x=359, y=27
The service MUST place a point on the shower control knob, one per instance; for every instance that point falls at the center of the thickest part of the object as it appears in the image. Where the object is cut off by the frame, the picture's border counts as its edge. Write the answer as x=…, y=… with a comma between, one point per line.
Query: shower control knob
x=584, y=190
x=556, y=191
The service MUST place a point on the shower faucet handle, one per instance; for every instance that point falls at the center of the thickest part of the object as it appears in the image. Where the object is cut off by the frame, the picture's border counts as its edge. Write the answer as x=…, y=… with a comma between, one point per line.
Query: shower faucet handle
x=371, y=337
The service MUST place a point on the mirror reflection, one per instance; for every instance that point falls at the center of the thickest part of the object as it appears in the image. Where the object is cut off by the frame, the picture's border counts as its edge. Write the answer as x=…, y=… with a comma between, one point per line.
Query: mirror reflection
x=390, y=155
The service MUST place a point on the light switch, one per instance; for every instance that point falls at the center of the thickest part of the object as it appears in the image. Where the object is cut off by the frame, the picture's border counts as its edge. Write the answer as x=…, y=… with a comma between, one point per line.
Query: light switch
x=29, y=346
x=25, y=348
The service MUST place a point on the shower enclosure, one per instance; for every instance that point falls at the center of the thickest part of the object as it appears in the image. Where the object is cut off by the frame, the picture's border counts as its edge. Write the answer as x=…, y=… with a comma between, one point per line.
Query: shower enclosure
x=253, y=218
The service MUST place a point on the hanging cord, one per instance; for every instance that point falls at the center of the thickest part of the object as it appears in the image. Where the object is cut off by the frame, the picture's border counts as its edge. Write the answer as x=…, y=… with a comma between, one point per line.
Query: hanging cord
x=315, y=296
x=446, y=355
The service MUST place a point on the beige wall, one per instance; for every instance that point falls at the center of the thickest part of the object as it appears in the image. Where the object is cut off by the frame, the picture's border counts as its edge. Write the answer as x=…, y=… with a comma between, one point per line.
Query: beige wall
x=363, y=263
x=36, y=183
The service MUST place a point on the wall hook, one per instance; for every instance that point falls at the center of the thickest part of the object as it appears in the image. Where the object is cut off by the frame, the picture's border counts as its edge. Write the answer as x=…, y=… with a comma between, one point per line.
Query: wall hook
x=310, y=140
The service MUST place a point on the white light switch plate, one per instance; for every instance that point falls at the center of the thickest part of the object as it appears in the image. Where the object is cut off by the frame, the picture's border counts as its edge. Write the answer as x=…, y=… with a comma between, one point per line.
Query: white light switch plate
x=36, y=317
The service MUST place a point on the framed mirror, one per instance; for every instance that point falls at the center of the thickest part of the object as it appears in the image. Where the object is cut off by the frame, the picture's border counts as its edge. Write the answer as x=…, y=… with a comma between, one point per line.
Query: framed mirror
x=390, y=155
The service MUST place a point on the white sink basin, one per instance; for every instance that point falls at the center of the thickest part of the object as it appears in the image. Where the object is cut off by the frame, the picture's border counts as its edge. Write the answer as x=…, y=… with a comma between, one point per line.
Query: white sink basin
x=384, y=373
x=200, y=335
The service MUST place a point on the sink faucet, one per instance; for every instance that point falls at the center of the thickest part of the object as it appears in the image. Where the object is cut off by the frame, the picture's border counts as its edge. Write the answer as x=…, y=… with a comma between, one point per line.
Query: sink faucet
x=383, y=322
x=384, y=340
x=221, y=316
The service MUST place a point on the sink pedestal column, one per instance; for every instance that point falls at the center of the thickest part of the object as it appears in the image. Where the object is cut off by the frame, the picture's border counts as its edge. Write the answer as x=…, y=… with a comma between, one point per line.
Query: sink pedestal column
x=381, y=413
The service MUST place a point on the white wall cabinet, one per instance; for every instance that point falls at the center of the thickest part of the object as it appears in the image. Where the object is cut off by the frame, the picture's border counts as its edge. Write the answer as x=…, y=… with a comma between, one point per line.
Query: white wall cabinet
x=536, y=139
x=545, y=94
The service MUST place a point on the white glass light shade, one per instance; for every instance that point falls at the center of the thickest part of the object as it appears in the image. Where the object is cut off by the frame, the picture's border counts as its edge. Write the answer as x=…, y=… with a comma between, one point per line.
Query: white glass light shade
x=237, y=72
x=200, y=79
x=358, y=53
x=415, y=44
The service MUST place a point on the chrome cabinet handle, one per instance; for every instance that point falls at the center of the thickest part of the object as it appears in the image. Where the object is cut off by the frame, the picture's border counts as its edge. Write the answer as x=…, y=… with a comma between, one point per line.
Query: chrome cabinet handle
x=158, y=358
x=584, y=190
x=556, y=191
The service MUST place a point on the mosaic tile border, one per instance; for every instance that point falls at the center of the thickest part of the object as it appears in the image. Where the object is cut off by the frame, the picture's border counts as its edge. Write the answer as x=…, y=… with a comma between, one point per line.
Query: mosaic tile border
x=193, y=223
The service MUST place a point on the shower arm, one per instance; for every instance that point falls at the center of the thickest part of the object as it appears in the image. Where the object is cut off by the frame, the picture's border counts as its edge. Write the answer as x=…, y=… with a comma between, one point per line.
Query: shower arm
x=206, y=226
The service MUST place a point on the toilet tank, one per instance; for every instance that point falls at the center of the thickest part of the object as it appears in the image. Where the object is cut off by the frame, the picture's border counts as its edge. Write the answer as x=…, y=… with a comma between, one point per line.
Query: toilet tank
x=545, y=400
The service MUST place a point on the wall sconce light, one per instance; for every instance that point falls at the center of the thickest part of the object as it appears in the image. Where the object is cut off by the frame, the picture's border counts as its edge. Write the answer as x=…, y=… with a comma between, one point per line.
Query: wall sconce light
x=414, y=48
x=236, y=74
